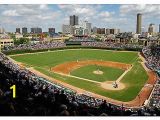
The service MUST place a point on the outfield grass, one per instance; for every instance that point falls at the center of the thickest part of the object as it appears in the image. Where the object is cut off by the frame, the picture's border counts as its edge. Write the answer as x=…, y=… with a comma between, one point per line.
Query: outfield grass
x=134, y=79
x=109, y=73
x=48, y=59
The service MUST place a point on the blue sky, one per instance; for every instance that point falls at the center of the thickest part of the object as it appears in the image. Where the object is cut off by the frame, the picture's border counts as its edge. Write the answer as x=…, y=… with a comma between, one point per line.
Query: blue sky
x=108, y=16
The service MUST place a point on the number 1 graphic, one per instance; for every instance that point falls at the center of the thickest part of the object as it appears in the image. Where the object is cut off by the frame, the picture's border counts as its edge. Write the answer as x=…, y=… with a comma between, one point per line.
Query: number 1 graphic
x=14, y=90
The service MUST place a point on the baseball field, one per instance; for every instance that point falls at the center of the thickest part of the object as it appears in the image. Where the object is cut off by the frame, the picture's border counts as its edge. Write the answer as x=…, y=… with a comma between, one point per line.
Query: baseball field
x=92, y=70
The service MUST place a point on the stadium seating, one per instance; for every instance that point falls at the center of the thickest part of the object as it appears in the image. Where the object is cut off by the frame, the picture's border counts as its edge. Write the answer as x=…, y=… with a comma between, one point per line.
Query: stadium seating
x=152, y=56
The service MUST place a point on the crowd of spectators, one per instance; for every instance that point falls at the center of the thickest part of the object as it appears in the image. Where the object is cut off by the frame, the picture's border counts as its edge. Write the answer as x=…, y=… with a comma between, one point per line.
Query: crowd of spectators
x=57, y=44
x=152, y=56
x=107, y=44
x=37, y=46
x=36, y=96
x=155, y=96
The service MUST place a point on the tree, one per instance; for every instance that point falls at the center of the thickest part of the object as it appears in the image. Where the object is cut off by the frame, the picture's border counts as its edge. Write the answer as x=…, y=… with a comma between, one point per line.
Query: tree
x=21, y=41
x=26, y=35
x=12, y=36
x=59, y=32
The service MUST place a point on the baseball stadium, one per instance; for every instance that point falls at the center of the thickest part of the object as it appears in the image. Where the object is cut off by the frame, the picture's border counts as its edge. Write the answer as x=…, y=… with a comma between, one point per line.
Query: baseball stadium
x=91, y=75
x=80, y=60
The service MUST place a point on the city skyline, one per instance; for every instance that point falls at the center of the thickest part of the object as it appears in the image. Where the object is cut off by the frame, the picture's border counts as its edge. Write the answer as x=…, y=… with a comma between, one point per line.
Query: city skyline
x=108, y=16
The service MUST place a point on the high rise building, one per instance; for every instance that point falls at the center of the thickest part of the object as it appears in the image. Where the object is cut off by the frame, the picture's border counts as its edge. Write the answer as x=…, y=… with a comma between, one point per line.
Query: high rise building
x=98, y=30
x=107, y=31
x=18, y=30
x=2, y=30
x=117, y=31
x=142, y=29
x=94, y=30
x=24, y=30
x=139, y=23
x=159, y=28
x=73, y=20
x=51, y=30
x=151, y=29
x=101, y=31
x=66, y=29
x=36, y=30
x=87, y=26
x=112, y=31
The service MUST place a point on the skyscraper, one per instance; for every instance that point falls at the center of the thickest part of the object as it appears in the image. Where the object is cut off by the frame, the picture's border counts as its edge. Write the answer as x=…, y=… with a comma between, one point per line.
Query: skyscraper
x=86, y=25
x=73, y=20
x=112, y=31
x=51, y=30
x=94, y=30
x=139, y=23
x=24, y=30
x=101, y=31
x=18, y=30
x=2, y=30
x=159, y=28
x=107, y=31
x=151, y=29
x=36, y=30
x=66, y=29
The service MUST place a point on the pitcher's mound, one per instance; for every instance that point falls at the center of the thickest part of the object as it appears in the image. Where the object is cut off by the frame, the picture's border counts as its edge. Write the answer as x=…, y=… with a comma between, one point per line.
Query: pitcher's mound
x=98, y=72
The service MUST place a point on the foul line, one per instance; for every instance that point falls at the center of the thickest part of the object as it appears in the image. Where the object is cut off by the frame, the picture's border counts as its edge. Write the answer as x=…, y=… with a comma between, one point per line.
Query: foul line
x=77, y=77
x=120, y=78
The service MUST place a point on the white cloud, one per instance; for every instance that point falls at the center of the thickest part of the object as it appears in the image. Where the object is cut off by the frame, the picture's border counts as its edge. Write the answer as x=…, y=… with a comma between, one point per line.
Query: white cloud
x=10, y=13
x=105, y=14
x=81, y=10
x=29, y=16
x=147, y=10
x=43, y=6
